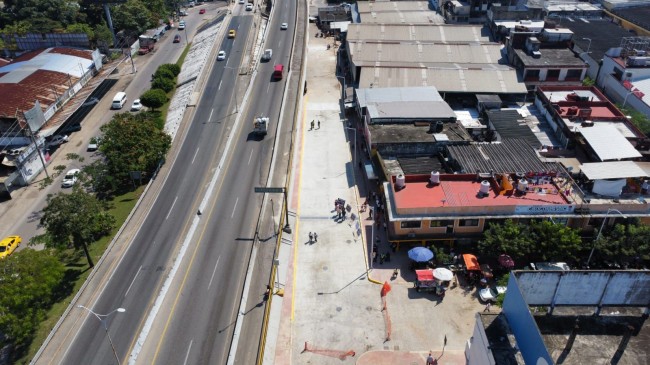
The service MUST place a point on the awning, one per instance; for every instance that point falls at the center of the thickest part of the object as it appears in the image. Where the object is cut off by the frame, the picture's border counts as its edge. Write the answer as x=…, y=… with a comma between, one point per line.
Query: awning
x=424, y=275
x=612, y=170
x=471, y=262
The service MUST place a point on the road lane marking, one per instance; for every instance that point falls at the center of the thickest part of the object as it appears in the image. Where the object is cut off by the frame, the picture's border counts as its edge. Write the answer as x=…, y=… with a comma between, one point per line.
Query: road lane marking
x=188, y=352
x=210, y=118
x=233, y=208
x=195, y=153
x=133, y=281
x=219, y=88
x=250, y=157
x=172, y=208
x=214, y=271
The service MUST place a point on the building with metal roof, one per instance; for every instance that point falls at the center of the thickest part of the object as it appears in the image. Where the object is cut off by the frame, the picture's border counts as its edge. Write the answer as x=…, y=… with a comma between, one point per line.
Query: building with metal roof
x=418, y=33
x=607, y=143
x=509, y=124
x=447, y=78
x=396, y=12
x=405, y=104
x=614, y=170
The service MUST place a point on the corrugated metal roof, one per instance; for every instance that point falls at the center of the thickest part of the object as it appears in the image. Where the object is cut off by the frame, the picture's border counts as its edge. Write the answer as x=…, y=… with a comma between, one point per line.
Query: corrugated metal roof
x=405, y=103
x=397, y=12
x=418, y=33
x=40, y=75
x=392, y=6
x=375, y=53
x=608, y=143
x=612, y=170
x=497, y=79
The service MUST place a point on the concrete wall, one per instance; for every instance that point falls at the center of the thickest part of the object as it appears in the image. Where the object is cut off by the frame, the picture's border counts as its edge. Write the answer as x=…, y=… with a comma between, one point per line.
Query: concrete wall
x=477, y=348
x=522, y=323
x=585, y=288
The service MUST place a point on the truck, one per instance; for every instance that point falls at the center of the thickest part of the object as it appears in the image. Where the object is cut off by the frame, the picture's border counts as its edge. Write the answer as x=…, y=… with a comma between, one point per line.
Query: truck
x=260, y=125
x=268, y=53
x=146, y=44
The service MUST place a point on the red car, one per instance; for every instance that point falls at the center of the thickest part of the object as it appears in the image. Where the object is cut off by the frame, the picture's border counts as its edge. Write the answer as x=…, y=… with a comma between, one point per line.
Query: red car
x=177, y=38
x=202, y=11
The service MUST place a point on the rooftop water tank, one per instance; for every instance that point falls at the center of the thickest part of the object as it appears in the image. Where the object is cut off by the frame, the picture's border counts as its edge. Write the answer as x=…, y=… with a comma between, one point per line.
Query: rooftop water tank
x=435, y=177
x=400, y=181
x=522, y=185
x=485, y=188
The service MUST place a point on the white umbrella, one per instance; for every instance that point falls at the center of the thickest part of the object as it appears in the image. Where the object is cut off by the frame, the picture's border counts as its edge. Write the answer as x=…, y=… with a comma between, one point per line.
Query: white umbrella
x=443, y=274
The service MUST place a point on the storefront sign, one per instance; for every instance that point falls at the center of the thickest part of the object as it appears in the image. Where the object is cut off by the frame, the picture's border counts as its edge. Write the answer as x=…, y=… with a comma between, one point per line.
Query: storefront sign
x=544, y=209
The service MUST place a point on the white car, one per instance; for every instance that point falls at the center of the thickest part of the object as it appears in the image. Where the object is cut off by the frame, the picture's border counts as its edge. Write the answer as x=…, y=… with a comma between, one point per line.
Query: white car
x=70, y=178
x=136, y=106
x=242, y=1
x=58, y=140
x=490, y=295
x=93, y=145
x=221, y=56
x=284, y=26
x=181, y=25
x=249, y=7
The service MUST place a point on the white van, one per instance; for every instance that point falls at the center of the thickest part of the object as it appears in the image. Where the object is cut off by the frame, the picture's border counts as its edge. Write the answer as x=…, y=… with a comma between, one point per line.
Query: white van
x=119, y=100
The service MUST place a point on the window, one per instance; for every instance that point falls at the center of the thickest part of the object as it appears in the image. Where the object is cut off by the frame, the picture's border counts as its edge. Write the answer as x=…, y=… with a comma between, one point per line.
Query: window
x=553, y=74
x=532, y=75
x=468, y=223
x=411, y=224
x=573, y=74
x=441, y=223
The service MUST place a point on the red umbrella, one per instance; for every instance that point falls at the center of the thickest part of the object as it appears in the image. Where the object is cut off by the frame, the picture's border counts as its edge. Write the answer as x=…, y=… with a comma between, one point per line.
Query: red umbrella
x=506, y=261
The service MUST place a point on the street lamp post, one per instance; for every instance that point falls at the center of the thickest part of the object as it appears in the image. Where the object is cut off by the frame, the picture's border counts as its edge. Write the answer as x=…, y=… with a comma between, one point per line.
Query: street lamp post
x=102, y=319
x=600, y=231
x=589, y=44
x=625, y=100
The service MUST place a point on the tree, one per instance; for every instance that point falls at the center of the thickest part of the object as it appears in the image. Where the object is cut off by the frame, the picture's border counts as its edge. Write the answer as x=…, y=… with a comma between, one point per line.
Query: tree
x=588, y=81
x=154, y=98
x=131, y=143
x=74, y=220
x=172, y=67
x=81, y=28
x=625, y=242
x=43, y=15
x=133, y=17
x=30, y=280
x=511, y=238
x=639, y=119
x=166, y=85
x=555, y=242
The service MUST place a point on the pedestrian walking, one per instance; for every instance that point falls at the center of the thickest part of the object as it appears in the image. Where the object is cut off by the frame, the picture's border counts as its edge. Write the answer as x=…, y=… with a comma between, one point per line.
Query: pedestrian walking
x=315, y=237
x=487, y=307
x=430, y=360
x=319, y=124
x=311, y=237
x=312, y=125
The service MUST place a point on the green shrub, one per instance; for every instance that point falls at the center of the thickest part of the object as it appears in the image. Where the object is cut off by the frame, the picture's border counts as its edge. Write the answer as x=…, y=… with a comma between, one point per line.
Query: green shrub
x=166, y=85
x=174, y=68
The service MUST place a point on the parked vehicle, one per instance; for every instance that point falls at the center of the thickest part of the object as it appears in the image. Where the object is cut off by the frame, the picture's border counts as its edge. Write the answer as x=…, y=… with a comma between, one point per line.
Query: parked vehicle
x=136, y=106
x=70, y=178
x=261, y=126
x=119, y=100
x=146, y=45
x=58, y=140
x=268, y=53
x=491, y=294
x=93, y=145
x=8, y=245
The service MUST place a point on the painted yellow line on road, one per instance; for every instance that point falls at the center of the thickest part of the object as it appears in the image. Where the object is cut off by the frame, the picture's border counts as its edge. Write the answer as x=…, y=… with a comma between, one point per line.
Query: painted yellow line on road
x=295, y=246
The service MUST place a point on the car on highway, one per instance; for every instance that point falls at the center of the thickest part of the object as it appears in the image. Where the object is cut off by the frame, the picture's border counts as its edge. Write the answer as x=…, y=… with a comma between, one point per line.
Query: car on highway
x=70, y=178
x=284, y=26
x=221, y=56
x=58, y=140
x=232, y=33
x=177, y=38
x=93, y=145
x=8, y=245
x=136, y=106
x=202, y=11
x=490, y=294
x=249, y=7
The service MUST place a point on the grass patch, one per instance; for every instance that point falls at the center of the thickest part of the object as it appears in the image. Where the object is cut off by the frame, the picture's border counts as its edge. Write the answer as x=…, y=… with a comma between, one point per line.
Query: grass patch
x=78, y=271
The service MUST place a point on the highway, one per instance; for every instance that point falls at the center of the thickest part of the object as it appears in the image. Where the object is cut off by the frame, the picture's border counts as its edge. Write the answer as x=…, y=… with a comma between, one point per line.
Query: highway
x=196, y=320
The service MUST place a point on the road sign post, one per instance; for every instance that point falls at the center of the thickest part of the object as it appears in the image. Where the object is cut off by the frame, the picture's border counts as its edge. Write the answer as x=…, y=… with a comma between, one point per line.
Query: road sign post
x=287, y=226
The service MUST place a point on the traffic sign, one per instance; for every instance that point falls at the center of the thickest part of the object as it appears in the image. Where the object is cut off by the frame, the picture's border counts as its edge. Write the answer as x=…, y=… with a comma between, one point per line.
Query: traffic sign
x=269, y=190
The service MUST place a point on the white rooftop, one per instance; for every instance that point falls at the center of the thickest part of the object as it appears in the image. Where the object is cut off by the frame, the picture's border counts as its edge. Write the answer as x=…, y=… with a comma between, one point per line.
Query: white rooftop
x=612, y=170
x=404, y=102
x=608, y=142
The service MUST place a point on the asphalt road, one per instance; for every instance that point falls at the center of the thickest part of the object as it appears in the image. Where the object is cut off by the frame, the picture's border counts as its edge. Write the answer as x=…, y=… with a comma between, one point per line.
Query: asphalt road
x=198, y=327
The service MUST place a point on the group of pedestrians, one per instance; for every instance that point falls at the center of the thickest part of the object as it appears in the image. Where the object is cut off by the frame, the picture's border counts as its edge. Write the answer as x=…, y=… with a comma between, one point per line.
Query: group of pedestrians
x=313, y=237
x=340, y=209
x=312, y=125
